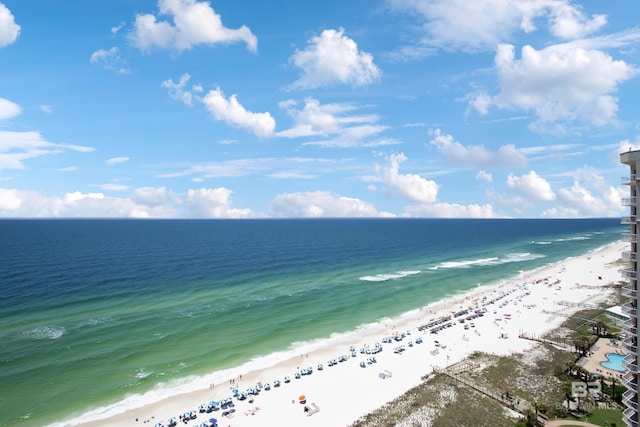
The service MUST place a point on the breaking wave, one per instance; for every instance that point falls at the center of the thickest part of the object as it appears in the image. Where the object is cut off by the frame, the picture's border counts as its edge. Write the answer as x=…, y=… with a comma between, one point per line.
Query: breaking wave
x=389, y=276
x=481, y=262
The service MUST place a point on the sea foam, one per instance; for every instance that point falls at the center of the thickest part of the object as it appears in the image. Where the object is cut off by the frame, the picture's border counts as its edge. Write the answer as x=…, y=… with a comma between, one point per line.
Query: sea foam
x=45, y=333
x=389, y=276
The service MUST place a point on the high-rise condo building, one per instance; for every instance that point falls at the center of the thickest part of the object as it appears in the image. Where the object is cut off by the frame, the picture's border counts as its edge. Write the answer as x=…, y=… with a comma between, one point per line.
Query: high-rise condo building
x=630, y=340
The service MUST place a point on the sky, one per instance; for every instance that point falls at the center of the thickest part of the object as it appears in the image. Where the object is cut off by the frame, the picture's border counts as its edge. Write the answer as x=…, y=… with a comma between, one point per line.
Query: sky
x=305, y=109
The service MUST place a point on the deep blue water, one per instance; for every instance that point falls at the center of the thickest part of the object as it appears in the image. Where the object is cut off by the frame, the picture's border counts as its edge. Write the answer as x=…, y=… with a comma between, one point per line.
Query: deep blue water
x=95, y=310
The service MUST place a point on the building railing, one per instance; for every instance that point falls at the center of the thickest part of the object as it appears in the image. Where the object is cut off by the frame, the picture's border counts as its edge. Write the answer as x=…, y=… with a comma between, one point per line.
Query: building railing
x=628, y=179
x=629, y=380
x=629, y=309
x=628, y=220
x=629, y=201
x=630, y=417
x=630, y=363
x=629, y=292
x=630, y=274
x=629, y=237
x=629, y=345
x=630, y=399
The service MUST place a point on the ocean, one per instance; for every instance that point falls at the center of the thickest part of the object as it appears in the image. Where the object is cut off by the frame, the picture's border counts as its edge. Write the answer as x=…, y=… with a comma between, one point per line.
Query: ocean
x=98, y=314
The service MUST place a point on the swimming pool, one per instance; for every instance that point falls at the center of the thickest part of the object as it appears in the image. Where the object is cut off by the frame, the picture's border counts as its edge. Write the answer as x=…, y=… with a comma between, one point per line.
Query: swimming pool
x=614, y=362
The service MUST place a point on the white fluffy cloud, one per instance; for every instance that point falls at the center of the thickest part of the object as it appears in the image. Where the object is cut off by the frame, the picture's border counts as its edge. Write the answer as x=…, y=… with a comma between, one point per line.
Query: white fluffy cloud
x=589, y=196
x=559, y=84
x=116, y=160
x=320, y=204
x=10, y=200
x=16, y=147
x=484, y=176
x=531, y=186
x=213, y=203
x=228, y=110
x=193, y=23
x=147, y=202
x=8, y=109
x=154, y=196
x=332, y=58
x=447, y=210
x=76, y=204
x=477, y=156
x=333, y=125
x=481, y=25
x=179, y=92
x=9, y=30
x=411, y=186
x=232, y=112
x=110, y=60
x=568, y=21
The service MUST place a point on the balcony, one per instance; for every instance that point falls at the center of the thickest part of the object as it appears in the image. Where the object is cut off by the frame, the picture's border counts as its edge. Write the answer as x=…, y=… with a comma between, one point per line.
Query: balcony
x=628, y=220
x=629, y=345
x=631, y=330
x=629, y=379
x=629, y=201
x=626, y=180
x=629, y=274
x=629, y=238
x=630, y=417
x=629, y=255
x=630, y=363
x=629, y=292
x=630, y=399
x=629, y=309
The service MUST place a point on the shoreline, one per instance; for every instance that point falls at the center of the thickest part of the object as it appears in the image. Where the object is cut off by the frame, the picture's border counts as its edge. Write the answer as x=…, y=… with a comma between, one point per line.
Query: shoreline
x=530, y=298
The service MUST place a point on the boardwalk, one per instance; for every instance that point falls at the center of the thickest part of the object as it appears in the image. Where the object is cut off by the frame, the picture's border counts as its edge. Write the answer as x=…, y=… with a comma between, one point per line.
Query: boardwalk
x=512, y=402
x=558, y=344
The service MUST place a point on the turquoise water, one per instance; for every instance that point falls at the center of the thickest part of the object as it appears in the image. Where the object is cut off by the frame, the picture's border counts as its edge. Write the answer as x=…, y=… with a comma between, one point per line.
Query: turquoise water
x=614, y=362
x=96, y=314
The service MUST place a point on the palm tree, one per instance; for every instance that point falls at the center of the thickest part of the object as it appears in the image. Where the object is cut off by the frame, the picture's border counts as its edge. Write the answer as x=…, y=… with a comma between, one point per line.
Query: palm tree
x=582, y=345
x=613, y=388
x=570, y=365
x=585, y=345
x=568, y=393
x=576, y=344
x=601, y=327
x=581, y=373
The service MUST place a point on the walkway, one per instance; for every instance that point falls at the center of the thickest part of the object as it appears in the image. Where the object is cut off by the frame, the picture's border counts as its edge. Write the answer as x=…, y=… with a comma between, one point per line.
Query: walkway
x=512, y=402
x=560, y=423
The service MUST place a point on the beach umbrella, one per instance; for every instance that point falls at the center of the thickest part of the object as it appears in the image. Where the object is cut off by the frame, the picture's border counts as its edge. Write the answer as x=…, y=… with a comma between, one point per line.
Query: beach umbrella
x=302, y=398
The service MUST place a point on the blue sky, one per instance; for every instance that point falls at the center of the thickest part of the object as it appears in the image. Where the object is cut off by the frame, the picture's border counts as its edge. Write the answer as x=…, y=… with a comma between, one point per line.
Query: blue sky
x=280, y=109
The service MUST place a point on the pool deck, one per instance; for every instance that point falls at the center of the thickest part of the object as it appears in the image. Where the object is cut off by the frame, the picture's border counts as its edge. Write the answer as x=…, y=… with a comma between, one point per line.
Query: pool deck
x=599, y=354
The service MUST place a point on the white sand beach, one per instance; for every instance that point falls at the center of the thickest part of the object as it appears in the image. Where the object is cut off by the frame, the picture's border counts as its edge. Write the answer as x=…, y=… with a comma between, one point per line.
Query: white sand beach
x=532, y=303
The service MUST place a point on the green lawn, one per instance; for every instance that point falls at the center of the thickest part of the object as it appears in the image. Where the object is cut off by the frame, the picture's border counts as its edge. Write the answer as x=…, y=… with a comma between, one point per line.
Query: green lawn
x=603, y=416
